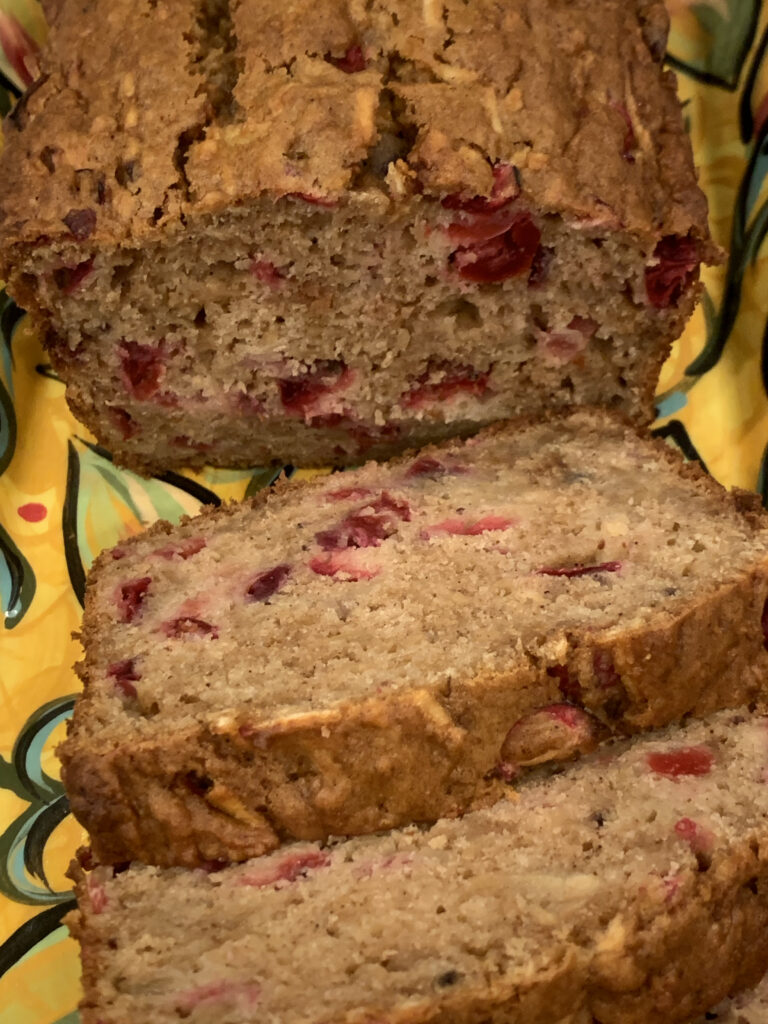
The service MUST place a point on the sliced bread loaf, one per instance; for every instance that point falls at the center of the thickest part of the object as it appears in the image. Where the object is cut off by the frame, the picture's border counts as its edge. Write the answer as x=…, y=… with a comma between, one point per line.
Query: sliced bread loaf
x=397, y=643
x=631, y=889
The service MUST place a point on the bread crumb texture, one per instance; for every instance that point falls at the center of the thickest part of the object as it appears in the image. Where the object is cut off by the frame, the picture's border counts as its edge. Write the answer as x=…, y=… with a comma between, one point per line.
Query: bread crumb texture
x=633, y=888
x=464, y=615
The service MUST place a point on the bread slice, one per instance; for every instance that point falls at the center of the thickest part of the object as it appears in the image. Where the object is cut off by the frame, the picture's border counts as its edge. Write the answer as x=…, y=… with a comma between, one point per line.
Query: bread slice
x=397, y=642
x=321, y=231
x=632, y=888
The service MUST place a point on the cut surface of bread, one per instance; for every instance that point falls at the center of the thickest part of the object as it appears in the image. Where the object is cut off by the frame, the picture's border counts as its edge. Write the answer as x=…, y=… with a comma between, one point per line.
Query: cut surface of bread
x=319, y=231
x=631, y=888
x=397, y=642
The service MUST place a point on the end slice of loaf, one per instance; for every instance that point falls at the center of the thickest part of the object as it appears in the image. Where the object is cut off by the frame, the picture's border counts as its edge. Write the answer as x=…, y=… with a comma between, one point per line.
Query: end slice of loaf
x=356, y=228
x=632, y=888
x=396, y=643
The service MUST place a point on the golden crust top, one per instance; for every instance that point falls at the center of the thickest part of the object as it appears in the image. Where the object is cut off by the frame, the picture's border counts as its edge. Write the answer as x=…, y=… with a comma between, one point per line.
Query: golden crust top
x=149, y=113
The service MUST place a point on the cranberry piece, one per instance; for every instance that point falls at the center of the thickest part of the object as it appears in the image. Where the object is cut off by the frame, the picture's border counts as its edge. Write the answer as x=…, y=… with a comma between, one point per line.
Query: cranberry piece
x=352, y=61
x=388, y=503
x=764, y=625
x=395, y=860
x=505, y=188
x=700, y=839
x=584, y=325
x=681, y=761
x=540, y=264
x=130, y=597
x=570, y=688
x=185, y=549
x=465, y=528
x=426, y=467
x=686, y=828
x=248, y=404
x=490, y=523
x=455, y=379
x=123, y=422
x=605, y=670
x=506, y=771
x=497, y=259
x=481, y=227
x=579, y=570
x=505, y=183
x=345, y=493
x=629, y=144
x=314, y=200
x=81, y=223
x=560, y=347
x=300, y=394
x=356, y=531
x=566, y=345
x=367, y=527
x=266, y=584
x=69, y=279
x=671, y=885
x=345, y=562
x=567, y=714
x=267, y=273
x=241, y=992
x=675, y=266
x=189, y=626
x=97, y=896
x=125, y=675
x=143, y=368
x=288, y=869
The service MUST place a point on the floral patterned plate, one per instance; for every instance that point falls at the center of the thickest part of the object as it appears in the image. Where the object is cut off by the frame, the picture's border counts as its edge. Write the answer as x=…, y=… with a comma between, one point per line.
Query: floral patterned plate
x=62, y=499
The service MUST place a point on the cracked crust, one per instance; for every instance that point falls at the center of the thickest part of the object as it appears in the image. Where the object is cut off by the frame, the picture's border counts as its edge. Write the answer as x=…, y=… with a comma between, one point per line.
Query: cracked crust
x=77, y=136
x=323, y=232
x=543, y=85
x=350, y=768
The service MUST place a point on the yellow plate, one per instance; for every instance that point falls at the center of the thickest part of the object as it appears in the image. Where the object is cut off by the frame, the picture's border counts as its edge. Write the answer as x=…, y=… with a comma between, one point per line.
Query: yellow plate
x=62, y=500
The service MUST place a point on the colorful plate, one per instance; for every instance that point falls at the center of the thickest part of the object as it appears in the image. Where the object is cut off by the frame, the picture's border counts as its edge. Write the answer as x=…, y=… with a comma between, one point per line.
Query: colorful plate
x=62, y=499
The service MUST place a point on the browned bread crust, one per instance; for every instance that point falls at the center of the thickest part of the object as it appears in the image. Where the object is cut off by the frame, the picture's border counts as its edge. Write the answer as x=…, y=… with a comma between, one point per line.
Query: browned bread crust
x=750, y=1007
x=611, y=913
x=226, y=786
x=528, y=82
x=321, y=232
x=713, y=946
